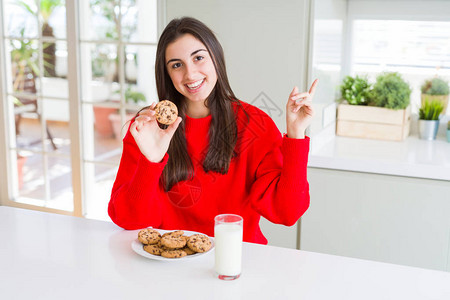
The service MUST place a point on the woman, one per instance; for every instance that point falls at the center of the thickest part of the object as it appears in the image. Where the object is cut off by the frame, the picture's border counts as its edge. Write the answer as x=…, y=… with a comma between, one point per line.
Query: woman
x=221, y=155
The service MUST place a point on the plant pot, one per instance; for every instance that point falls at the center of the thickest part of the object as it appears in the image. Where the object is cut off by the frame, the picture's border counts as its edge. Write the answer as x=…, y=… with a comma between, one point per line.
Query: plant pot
x=119, y=127
x=428, y=129
x=440, y=98
x=20, y=163
x=101, y=118
x=372, y=122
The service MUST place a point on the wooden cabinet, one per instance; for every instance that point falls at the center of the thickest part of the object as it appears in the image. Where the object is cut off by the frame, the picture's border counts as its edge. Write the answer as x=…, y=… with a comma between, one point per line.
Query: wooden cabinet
x=385, y=218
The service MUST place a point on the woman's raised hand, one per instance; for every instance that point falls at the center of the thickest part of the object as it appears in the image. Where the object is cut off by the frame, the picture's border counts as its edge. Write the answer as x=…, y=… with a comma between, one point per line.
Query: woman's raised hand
x=150, y=138
x=299, y=111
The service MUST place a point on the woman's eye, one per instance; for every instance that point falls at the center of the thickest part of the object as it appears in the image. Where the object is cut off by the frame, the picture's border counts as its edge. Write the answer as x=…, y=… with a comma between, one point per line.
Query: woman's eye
x=176, y=65
x=199, y=57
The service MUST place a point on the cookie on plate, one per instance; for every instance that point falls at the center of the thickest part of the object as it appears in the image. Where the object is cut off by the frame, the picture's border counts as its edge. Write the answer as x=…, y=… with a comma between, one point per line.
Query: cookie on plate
x=149, y=236
x=174, y=233
x=154, y=249
x=199, y=243
x=166, y=112
x=188, y=250
x=173, y=253
x=173, y=242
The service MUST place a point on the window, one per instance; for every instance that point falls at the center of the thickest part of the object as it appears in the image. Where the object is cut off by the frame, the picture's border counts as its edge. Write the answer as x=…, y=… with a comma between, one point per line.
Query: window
x=63, y=151
x=418, y=50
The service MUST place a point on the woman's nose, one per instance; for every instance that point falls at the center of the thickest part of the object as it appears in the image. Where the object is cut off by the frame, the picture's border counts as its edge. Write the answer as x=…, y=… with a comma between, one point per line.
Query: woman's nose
x=191, y=70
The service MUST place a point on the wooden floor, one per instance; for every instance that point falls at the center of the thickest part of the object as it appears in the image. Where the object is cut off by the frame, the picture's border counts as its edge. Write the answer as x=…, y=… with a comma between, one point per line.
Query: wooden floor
x=43, y=161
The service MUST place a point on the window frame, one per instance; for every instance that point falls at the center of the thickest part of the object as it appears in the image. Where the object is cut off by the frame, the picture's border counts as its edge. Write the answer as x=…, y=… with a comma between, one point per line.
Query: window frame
x=78, y=162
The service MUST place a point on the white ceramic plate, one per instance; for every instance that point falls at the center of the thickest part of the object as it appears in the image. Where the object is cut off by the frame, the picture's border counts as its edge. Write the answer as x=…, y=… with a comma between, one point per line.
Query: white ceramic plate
x=139, y=248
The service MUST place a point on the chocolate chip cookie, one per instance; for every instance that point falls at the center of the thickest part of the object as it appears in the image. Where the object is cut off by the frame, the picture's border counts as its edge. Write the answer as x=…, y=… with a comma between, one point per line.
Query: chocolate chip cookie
x=149, y=236
x=173, y=253
x=188, y=250
x=199, y=243
x=153, y=249
x=173, y=242
x=166, y=112
x=174, y=233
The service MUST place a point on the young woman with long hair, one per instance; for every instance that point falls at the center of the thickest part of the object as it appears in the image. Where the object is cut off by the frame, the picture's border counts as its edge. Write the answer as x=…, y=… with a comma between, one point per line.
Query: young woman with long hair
x=221, y=155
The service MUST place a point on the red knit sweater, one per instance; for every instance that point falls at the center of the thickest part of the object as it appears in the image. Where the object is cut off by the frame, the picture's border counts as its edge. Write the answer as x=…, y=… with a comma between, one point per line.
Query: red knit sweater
x=267, y=178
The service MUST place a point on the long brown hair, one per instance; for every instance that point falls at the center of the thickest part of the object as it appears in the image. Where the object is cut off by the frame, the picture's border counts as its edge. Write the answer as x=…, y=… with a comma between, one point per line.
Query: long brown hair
x=223, y=129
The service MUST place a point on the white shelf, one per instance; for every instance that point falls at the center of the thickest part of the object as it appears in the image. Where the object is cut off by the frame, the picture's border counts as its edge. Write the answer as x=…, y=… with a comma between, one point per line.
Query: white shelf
x=410, y=158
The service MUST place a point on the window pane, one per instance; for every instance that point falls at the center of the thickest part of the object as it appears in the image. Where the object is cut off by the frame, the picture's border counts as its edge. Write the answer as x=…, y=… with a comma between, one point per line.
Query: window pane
x=60, y=178
x=101, y=20
x=418, y=50
x=140, y=75
x=138, y=21
x=327, y=56
x=47, y=181
x=99, y=67
x=99, y=190
x=33, y=179
x=53, y=87
x=53, y=16
x=21, y=18
x=29, y=129
x=24, y=65
x=61, y=59
x=56, y=112
x=100, y=142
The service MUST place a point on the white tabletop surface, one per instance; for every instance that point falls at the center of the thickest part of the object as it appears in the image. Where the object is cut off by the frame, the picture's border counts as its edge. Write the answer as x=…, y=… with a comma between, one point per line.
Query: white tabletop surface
x=412, y=157
x=48, y=256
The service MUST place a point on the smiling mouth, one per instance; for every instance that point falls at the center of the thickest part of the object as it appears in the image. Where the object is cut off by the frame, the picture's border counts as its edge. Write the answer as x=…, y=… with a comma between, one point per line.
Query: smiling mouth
x=195, y=85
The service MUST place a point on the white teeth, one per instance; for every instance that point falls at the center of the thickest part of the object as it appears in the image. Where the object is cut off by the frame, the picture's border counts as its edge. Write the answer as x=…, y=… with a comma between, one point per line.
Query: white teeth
x=195, y=84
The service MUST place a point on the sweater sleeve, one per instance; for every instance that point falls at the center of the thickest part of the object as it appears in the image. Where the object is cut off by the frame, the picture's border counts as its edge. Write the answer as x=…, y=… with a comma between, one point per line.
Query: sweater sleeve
x=135, y=202
x=280, y=192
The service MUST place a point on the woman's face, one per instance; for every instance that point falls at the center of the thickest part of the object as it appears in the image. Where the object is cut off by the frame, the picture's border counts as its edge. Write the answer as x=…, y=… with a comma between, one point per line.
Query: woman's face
x=191, y=68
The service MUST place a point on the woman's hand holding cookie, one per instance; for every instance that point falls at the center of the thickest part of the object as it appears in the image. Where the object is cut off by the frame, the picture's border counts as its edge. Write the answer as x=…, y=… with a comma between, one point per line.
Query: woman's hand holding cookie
x=150, y=138
x=299, y=112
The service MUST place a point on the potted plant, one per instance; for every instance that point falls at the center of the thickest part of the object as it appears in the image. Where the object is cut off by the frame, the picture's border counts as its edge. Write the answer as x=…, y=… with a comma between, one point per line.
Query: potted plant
x=44, y=10
x=436, y=89
x=381, y=112
x=355, y=90
x=448, y=131
x=390, y=91
x=429, y=119
x=130, y=97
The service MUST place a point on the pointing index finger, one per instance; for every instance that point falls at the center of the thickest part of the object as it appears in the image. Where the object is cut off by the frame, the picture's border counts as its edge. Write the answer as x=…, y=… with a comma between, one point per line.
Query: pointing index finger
x=312, y=89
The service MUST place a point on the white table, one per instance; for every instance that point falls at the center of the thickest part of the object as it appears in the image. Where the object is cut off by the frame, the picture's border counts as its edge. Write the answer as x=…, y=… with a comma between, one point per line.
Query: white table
x=48, y=256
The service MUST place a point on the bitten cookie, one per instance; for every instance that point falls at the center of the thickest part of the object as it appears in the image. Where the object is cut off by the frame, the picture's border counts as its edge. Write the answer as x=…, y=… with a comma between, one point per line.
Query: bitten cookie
x=173, y=242
x=173, y=253
x=149, y=236
x=153, y=249
x=166, y=112
x=199, y=243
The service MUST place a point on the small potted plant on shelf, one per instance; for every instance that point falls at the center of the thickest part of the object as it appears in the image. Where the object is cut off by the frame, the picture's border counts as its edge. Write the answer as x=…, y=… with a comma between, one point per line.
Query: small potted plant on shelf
x=117, y=124
x=429, y=119
x=448, y=131
x=436, y=89
x=381, y=112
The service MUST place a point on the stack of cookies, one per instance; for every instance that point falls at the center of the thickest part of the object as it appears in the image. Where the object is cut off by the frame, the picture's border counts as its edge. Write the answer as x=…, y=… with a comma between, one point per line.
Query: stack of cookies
x=173, y=244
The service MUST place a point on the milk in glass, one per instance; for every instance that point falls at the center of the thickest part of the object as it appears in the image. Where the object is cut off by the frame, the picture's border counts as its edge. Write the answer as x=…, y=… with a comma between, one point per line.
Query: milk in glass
x=228, y=233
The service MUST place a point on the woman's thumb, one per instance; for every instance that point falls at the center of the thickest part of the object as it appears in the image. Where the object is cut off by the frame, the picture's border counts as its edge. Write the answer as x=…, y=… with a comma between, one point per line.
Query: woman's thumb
x=173, y=127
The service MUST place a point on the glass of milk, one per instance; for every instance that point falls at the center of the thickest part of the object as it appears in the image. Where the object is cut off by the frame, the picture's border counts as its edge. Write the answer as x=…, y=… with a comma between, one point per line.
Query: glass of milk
x=228, y=232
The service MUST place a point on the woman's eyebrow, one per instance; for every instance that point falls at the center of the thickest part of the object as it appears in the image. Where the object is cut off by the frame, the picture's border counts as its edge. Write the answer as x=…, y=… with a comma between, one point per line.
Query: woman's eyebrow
x=192, y=54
